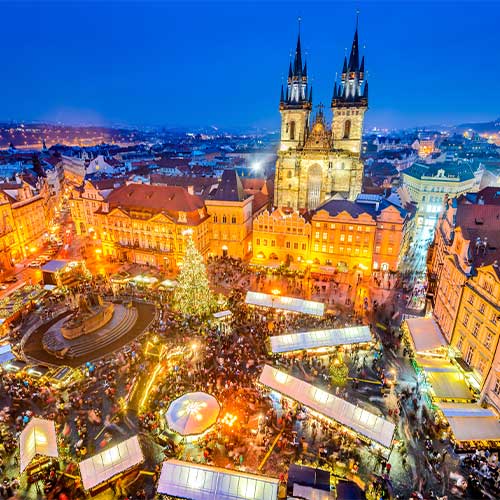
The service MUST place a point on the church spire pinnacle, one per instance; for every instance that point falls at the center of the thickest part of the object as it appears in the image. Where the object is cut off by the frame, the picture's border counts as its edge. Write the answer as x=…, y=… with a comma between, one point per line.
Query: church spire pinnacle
x=354, y=56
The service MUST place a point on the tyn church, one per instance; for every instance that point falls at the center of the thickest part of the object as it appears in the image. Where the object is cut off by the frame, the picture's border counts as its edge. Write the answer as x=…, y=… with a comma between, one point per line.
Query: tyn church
x=316, y=162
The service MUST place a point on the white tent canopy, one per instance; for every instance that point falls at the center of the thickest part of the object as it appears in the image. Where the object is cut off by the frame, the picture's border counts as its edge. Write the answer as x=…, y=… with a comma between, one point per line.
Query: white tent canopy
x=359, y=420
x=107, y=464
x=425, y=334
x=471, y=422
x=320, y=338
x=193, y=413
x=38, y=438
x=285, y=303
x=200, y=482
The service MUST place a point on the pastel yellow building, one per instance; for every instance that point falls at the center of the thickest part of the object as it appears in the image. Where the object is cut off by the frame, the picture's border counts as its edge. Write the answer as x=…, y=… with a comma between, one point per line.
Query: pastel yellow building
x=31, y=213
x=477, y=327
x=341, y=235
x=149, y=224
x=231, y=211
x=281, y=237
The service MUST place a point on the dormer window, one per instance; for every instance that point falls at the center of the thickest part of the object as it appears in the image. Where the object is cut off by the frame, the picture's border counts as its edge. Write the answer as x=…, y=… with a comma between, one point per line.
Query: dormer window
x=182, y=217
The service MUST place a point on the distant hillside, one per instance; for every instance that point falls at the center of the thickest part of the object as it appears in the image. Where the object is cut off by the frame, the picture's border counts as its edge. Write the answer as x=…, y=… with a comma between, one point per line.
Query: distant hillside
x=481, y=128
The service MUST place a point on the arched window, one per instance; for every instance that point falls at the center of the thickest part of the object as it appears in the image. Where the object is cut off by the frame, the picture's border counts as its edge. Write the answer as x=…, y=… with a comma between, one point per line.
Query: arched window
x=289, y=174
x=347, y=129
x=292, y=131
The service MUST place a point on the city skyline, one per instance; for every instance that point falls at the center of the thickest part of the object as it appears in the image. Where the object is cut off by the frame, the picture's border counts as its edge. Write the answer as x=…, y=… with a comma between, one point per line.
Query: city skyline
x=136, y=66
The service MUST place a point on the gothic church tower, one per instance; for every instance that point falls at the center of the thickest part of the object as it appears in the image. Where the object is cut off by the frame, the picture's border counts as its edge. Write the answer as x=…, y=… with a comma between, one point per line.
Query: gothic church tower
x=315, y=163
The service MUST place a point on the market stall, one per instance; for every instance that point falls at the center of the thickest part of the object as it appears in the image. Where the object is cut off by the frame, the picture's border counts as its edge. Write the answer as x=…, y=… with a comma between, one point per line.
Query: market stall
x=292, y=304
x=65, y=273
x=471, y=425
x=424, y=336
x=201, y=482
x=105, y=466
x=38, y=439
x=320, y=339
x=362, y=422
x=445, y=381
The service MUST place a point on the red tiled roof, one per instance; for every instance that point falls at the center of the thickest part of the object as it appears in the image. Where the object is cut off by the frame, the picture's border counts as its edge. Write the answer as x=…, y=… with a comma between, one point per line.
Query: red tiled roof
x=158, y=199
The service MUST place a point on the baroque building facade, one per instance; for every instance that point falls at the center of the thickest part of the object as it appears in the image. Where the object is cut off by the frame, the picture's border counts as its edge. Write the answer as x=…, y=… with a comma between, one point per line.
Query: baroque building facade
x=317, y=162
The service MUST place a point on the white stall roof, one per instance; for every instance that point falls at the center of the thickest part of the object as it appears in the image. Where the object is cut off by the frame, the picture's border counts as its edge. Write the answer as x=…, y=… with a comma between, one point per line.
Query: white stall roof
x=201, y=482
x=320, y=338
x=285, y=303
x=5, y=354
x=471, y=422
x=359, y=420
x=425, y=334
x=38, y=438
x=107, y=464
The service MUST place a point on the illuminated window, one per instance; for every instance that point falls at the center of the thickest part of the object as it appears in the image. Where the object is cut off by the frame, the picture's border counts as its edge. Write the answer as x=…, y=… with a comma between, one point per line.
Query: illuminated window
x=465, y=319
x=475, y=330
x=342, y=237
x=316, y=247
x=487, y=341
x=496, y=389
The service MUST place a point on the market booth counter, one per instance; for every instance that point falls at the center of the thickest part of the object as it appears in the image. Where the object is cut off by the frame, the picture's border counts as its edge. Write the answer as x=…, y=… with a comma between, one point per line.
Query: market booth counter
x=200, y=482
x=37, y=447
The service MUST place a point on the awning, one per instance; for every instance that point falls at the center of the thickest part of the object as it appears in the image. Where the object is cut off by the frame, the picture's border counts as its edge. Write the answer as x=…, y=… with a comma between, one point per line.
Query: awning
x=5, y=354
x=446, y=380
x=107, y=464
x=285, y=303
x=201, y=482
x=320, y=338
x=358, y=419
x=49, y=288
x=471, y=422
x=425, y=334
x=37, y=438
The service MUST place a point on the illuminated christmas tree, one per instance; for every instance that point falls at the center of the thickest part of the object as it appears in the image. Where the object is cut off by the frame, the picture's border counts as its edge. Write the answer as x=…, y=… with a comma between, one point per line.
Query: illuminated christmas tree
x=339, y=372
x=192, y=296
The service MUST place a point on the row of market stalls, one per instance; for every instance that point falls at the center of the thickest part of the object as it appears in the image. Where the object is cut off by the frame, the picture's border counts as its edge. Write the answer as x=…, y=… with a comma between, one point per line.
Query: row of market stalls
x=38, y=446
x=449, y=387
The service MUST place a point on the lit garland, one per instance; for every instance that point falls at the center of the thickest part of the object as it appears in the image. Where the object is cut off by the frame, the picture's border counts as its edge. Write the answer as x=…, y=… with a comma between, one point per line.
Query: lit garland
x=192, y=296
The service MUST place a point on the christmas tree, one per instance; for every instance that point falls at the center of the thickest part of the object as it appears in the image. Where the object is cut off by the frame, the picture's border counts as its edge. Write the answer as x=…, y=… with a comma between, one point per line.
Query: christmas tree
x=339, y=372
x=192, y=296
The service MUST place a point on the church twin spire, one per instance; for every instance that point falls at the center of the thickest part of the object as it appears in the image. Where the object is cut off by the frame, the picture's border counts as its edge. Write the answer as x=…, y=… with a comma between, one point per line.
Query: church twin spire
x=351, y=88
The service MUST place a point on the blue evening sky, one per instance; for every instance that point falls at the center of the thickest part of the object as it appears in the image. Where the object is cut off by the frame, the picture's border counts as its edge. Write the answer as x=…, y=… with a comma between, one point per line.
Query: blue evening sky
x=222, y=64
